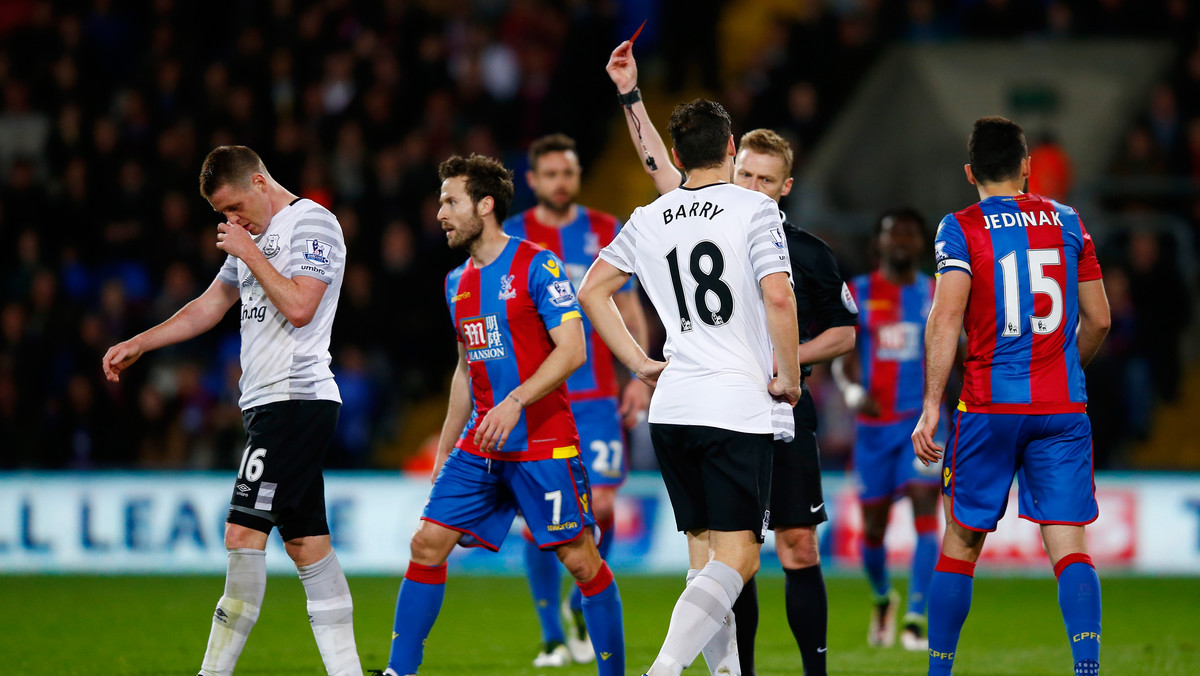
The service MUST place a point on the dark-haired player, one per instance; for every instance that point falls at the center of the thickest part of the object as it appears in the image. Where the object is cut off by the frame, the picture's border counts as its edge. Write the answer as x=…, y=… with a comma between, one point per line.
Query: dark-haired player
x=509, y=441
x=285, y=261
x=1019, y=273
x=882, y=380
x=825, y=313
x=576, y=234
x=712, y=258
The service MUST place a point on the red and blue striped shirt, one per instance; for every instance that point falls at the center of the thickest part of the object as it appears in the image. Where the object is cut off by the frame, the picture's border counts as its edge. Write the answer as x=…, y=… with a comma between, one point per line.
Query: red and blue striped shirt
x=1026, y=256
x=578, y=244
x=891, y=343
x=503, y=313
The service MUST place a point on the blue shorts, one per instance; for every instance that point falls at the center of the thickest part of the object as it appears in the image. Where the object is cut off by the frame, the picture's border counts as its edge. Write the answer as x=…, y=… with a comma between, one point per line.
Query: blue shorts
x=479, y=498
x=601, y=441
x=884, y=460
x=1051, y=456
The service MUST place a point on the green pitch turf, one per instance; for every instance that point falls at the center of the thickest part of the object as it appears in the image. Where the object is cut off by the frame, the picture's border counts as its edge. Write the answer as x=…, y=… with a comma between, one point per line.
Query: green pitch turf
x=159, y=625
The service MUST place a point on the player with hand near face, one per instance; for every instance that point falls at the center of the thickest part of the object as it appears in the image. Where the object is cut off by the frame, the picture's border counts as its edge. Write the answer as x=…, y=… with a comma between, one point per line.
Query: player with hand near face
x=285, y=262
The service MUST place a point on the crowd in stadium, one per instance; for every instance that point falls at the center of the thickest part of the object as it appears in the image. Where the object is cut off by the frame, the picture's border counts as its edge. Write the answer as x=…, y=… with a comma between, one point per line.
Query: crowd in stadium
x=109, y=108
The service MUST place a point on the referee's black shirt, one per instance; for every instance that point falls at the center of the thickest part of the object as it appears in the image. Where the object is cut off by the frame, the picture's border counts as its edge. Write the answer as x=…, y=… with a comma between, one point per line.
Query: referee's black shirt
x=820, y=305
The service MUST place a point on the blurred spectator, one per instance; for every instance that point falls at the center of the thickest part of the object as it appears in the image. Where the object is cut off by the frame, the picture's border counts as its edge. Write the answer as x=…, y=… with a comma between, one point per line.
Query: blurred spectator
x=1050, y=169
x=1140, y=157
x=1162, y=302
x=1162, y=116
x=23, y=130
x=922, y=22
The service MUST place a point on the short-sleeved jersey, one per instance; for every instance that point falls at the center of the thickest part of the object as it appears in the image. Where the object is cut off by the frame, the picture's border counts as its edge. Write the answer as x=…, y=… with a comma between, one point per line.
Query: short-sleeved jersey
x=891, y=342
x=503, y=313
x=823, y=301
x=700, y=254
x=282, y=362
x=1026, y=256
x=577, y=244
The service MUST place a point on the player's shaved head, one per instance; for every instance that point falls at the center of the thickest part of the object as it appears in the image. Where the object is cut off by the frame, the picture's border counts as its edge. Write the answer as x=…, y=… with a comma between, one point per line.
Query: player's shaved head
x=485, y=177
x=553, y=143
x=700, y=130
x=769, y=143
x=996, y=149
x=229, y=165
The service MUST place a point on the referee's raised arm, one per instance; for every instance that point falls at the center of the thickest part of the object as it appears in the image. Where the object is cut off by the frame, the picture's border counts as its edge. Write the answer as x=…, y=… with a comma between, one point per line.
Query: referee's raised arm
x=652, y=150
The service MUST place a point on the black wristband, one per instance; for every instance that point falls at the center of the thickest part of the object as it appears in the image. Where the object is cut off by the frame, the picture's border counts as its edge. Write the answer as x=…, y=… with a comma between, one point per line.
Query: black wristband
x=630, y=98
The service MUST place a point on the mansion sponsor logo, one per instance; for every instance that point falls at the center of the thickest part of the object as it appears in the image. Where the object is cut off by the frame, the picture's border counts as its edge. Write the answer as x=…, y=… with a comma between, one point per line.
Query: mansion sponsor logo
x=483, y=338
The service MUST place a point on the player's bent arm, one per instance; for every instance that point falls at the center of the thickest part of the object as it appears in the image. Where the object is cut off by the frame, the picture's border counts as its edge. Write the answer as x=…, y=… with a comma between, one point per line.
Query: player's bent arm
x=657, y=160
x=596, y=291
x=629, y=304
x=622, y=69
x=780, y=304
x=297, y=298
x=569, y=353
x=942, y=330
x=635, y=397
x=458, y=410
x=1094, y=319
x=198, y=316
x=832, y=342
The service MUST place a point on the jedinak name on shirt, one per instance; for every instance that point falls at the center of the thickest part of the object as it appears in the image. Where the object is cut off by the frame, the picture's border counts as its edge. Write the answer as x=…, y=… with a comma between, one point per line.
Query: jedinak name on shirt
x=696, y=210
x=1024, y=219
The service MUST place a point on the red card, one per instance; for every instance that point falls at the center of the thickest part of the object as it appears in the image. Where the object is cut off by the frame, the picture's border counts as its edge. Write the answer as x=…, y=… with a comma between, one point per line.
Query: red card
x=638, y=32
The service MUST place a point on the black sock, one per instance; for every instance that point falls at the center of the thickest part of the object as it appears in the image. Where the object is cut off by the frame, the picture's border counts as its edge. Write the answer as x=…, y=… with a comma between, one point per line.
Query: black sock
x=808, y=615
x=745, y=614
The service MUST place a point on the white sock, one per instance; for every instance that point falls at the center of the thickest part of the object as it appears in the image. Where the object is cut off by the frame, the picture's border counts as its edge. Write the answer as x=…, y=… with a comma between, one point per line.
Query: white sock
x=237, y=611
x=722, y=651
x=699, y=614
x=331, y=614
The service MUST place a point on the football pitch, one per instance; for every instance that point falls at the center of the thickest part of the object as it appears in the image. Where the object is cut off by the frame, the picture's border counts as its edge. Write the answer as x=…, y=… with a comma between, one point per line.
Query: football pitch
x=159, y=625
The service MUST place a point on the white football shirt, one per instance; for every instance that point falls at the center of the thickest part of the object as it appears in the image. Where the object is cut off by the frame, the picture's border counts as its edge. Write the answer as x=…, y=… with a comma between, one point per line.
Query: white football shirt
x=281, y=362
x=700, y=254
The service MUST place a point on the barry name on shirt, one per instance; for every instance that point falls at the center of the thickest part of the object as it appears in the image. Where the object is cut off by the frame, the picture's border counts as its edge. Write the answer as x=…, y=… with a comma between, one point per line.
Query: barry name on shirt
x=696, y=210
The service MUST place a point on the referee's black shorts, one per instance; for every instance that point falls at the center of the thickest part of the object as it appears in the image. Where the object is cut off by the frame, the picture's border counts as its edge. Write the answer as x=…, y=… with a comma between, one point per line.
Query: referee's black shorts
x=796, y=496
x=717, y=479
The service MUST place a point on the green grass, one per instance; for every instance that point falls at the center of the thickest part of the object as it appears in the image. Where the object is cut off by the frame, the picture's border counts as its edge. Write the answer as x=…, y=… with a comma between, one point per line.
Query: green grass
x=159, y=625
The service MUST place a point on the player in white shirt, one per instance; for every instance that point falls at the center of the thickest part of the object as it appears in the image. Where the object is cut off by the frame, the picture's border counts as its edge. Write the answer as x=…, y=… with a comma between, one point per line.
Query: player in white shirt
x=712, y=258
x=285, y=261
